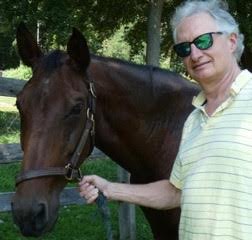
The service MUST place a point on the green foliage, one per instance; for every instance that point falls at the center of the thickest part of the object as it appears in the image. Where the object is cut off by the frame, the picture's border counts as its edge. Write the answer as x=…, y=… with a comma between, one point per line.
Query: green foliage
x=116, y=46
x=98, y=20
x=8, y=55
x=21, y=72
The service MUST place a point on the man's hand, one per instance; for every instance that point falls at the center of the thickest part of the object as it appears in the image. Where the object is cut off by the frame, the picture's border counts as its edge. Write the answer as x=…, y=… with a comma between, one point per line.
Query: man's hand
x=90, y=186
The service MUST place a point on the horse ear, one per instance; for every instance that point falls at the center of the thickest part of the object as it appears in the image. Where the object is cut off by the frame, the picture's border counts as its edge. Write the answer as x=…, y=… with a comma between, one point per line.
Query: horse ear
x=77, y=49
x=28, y=48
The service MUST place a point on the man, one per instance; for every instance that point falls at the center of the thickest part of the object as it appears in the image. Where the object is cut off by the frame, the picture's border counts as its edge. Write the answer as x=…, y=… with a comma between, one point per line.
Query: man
x=211, y=178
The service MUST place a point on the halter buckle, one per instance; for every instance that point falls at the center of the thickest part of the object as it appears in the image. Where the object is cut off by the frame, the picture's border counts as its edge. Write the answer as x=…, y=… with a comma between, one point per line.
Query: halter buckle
x=92, y=89
x=72, y=173
x=90, y=116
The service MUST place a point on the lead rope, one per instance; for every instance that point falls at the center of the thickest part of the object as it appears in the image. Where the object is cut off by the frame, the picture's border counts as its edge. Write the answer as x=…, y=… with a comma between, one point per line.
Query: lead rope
x=102, y=204
x=101, y=201
x=103, y=208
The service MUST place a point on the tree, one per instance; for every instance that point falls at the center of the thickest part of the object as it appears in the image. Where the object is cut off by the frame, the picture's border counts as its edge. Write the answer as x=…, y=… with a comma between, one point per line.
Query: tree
x=99, y=19
x=154, y=32
x=243, y=16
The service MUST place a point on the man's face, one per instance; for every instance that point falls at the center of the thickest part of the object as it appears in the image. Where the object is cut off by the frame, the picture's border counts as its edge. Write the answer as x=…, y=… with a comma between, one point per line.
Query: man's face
x=213, y=63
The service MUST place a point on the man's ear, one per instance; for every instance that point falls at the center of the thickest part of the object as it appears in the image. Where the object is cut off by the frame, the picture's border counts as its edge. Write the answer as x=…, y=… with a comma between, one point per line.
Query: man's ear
x=233, y=40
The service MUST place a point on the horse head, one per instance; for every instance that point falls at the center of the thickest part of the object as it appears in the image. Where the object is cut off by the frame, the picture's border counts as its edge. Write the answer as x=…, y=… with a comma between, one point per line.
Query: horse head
x=54, y=108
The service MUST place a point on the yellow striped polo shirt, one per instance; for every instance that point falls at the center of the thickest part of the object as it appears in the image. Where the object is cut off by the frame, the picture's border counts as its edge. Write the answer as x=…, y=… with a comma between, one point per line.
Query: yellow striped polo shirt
x=213, y=168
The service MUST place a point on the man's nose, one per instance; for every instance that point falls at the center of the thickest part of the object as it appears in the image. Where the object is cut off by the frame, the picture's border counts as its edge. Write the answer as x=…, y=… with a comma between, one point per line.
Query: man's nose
x=195, y=52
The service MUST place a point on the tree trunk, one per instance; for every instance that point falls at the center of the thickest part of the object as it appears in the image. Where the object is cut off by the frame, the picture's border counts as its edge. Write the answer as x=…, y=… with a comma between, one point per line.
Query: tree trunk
x=153, y=38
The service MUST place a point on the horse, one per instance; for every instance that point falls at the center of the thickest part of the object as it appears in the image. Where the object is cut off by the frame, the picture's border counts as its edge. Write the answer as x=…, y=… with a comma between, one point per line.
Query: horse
x=133, y=113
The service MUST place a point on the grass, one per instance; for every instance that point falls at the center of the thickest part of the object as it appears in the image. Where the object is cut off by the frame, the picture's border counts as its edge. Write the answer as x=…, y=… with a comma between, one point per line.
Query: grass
x=7, y=104
x=7, y=100
x=74, y=222
x=77, y=223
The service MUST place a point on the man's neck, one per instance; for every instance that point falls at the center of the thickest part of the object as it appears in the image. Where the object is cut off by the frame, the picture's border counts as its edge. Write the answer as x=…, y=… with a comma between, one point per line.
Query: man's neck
x=219, y=92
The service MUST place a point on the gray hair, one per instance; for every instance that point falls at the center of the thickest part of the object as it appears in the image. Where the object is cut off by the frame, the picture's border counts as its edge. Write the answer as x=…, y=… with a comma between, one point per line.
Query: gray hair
x=218, y=10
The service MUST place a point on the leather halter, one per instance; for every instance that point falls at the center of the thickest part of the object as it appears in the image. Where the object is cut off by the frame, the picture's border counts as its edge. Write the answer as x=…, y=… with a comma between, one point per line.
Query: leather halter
x=71, y=171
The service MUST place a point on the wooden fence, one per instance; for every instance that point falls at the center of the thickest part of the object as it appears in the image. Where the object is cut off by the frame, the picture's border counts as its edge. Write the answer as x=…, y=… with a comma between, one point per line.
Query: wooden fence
x=10, y=86
x=10, y=153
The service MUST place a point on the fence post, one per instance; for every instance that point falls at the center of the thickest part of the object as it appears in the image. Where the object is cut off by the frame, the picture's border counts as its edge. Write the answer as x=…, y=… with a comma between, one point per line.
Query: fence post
x=127, y=215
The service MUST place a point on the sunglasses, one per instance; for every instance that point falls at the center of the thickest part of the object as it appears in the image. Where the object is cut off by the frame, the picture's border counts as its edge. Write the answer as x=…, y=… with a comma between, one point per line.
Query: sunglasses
x=202, y=42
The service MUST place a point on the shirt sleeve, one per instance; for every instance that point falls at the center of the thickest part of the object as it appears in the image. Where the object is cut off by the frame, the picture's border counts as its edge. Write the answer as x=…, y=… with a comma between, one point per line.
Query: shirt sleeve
x=176, y=174
x=175, y=177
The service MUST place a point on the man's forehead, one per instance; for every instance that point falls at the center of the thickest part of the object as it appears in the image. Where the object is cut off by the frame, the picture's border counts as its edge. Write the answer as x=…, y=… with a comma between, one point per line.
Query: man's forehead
x=193, y=26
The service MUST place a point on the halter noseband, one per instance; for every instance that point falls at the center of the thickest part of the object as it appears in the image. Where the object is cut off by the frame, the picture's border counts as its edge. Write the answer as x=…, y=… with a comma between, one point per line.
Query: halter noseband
x=71, y=172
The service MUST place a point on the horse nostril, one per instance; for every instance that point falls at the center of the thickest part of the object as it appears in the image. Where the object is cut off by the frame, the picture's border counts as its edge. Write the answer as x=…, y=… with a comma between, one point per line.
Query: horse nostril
x=41, y=216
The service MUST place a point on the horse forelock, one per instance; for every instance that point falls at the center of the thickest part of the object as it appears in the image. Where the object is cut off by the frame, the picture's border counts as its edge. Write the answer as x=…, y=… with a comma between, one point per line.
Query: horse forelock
x=42, y=87
x=51, y=75
x=52, y=61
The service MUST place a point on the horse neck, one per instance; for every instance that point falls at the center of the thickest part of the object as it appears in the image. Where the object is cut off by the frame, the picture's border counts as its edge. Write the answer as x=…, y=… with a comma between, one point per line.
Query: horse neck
x=133, y=105
x=141, y=89
x=130, y=84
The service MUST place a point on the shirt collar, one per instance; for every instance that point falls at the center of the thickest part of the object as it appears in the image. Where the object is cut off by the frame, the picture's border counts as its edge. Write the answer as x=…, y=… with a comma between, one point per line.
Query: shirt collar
x=240, y=81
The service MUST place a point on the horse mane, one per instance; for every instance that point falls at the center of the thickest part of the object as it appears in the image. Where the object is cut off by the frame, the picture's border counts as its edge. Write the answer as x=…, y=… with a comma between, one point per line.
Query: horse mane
x=126, y=63
x=145, y=68
x=115, y=60
x=149, y=92
x=152, y=85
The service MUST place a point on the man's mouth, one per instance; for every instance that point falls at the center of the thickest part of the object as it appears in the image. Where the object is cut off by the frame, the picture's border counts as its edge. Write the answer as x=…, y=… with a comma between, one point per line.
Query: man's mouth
x=199, y=65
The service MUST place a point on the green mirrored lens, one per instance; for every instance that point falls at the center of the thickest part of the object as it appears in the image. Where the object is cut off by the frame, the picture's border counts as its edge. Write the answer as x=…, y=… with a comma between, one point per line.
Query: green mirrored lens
x=204, y=41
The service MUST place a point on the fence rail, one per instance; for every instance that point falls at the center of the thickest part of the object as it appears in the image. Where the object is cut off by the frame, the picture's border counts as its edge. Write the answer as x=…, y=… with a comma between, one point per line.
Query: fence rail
x=12, y=152
x=10, y=86
x=68, y=197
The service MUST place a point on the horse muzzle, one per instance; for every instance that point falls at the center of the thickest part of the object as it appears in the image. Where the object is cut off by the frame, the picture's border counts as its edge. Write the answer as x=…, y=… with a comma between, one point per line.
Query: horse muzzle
x=33, y=217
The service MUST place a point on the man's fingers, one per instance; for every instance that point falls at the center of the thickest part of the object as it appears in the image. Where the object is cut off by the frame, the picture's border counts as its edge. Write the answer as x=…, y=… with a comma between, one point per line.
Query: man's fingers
x=88, y=191
x=87, y=179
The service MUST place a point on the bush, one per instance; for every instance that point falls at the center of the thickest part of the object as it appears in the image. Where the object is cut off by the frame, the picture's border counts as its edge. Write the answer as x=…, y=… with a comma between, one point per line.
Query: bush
x=22, y=72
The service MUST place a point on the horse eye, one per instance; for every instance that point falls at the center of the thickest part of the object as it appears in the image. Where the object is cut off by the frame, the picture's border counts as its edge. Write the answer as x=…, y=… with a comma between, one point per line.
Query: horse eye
x=77, y=109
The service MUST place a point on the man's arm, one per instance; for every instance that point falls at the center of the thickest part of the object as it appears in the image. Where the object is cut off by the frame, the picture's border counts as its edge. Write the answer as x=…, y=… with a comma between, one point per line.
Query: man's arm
x=159, y=195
